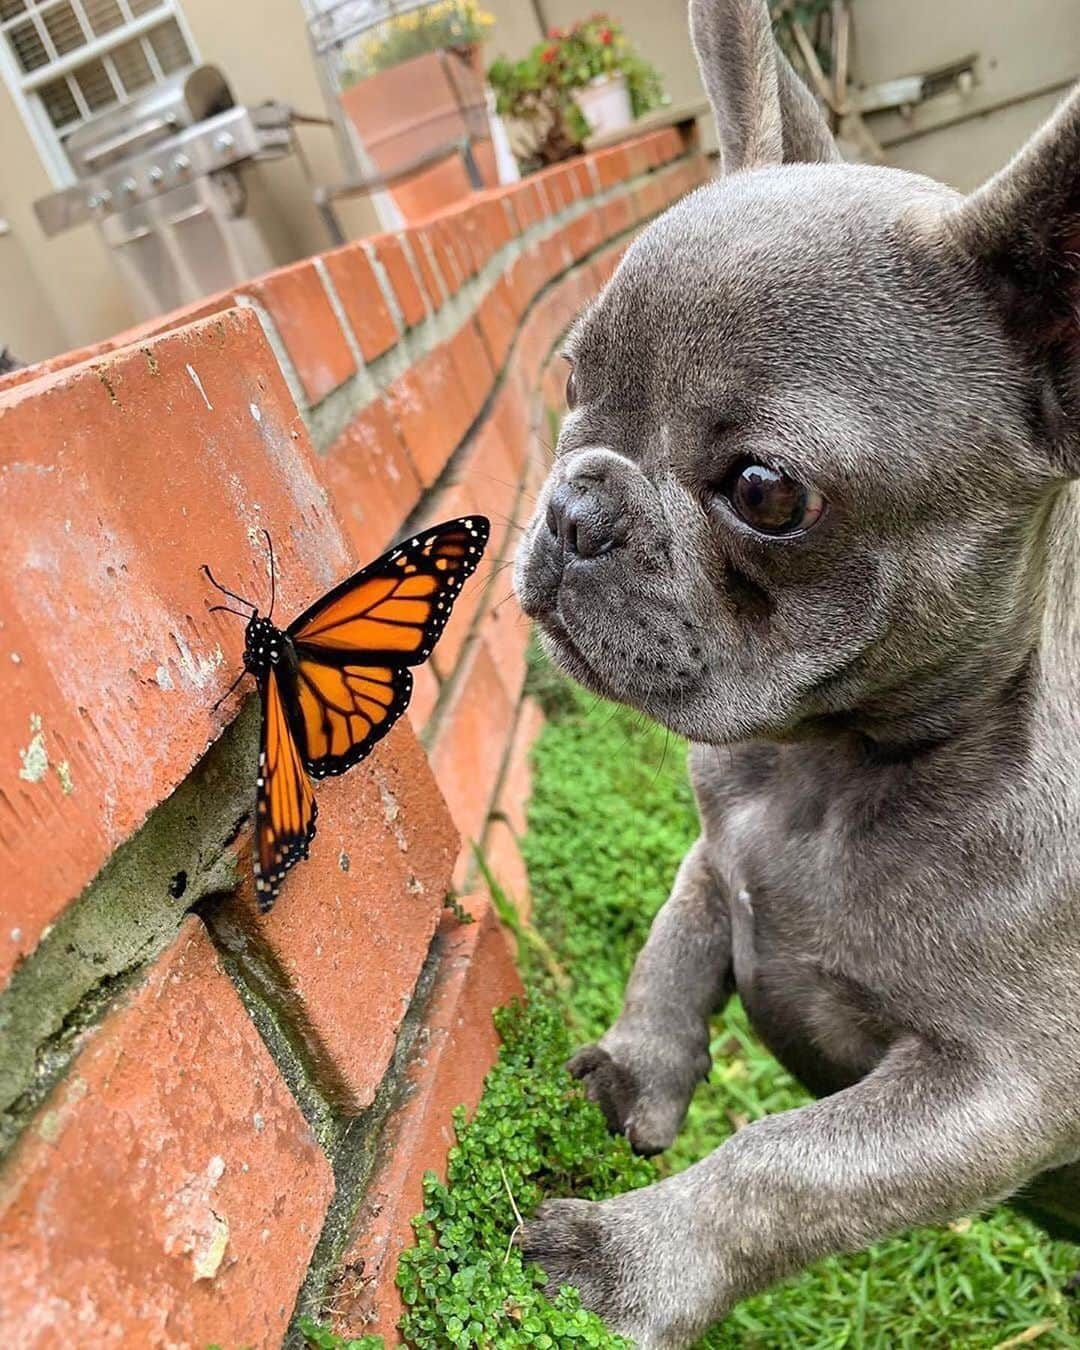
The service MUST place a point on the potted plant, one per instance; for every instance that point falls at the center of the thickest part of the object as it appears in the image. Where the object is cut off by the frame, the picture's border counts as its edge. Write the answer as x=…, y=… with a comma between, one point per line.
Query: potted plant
x=416, y=83
x=583, y=80
x=459, y=26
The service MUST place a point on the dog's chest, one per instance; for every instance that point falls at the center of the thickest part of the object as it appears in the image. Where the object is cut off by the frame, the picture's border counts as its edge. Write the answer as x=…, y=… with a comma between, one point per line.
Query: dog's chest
x=814, y=924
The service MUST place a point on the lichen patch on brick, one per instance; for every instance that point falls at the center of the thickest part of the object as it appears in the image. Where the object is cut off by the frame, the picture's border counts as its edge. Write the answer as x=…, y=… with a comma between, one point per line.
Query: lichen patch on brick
x=35, y=759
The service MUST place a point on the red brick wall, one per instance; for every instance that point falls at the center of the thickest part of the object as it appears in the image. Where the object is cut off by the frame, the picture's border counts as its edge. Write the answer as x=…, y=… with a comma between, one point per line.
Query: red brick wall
x=208, y=1118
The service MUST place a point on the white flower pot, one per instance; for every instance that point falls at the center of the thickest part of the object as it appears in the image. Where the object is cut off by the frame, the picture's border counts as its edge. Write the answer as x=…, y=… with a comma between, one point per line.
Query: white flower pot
x=605, y=104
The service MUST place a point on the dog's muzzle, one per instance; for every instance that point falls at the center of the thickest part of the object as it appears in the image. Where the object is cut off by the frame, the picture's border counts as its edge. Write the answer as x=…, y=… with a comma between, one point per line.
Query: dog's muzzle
x=584, y=521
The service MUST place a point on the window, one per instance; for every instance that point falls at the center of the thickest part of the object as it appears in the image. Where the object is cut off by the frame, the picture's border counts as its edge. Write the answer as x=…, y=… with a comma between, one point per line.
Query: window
x=68, y=60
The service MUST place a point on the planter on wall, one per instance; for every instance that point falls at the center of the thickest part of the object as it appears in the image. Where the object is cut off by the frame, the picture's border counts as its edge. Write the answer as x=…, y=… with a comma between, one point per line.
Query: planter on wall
x=605, y=104
x=414, y=107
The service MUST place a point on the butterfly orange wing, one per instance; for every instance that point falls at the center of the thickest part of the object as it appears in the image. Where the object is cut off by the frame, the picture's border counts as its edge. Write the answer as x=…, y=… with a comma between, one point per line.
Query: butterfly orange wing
x=353, y=648
x=285, y=806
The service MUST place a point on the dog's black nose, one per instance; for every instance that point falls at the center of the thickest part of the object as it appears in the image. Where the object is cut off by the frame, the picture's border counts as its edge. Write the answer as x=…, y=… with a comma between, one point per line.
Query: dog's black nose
x=579, y=518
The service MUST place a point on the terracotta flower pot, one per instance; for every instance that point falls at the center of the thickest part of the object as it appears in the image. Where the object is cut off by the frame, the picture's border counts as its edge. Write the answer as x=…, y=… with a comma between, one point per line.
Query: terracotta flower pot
x=417, y=106
x=605, y=104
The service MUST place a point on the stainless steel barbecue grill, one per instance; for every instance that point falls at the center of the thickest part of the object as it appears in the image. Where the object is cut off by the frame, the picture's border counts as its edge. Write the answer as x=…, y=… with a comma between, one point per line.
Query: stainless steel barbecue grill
x=161, y=176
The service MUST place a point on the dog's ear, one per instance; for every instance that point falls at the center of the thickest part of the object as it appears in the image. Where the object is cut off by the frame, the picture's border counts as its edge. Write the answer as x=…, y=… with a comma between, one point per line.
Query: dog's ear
x=1022, y=229
x=764, y=112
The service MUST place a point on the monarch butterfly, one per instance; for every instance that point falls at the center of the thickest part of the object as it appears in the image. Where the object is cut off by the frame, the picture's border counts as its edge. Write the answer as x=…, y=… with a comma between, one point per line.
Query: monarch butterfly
x=336, y=680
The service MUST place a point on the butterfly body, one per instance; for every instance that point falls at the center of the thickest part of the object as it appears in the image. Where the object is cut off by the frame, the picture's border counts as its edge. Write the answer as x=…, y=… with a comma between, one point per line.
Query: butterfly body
x=336, y=680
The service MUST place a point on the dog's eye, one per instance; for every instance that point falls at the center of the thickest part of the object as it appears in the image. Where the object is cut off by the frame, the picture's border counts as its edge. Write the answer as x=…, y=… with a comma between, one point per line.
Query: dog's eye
x=773, y=503
x=571, y=389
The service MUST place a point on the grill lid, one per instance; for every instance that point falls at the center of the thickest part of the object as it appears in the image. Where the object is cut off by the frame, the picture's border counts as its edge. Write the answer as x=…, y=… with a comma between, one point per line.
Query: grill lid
x=189, y=97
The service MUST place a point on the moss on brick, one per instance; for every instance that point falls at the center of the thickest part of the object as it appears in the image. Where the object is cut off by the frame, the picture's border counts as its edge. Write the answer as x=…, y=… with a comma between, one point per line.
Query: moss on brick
x=353, y=1145
x=126, y=916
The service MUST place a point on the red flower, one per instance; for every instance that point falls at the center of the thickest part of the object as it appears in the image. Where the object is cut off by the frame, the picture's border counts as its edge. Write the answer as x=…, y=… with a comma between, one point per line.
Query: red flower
x=606, y=36
x=556, y=34
x=548, y=55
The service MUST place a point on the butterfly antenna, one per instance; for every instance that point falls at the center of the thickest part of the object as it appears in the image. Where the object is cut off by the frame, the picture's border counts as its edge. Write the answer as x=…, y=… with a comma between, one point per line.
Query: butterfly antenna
x=227, y=609
x=273, y=573
x=231, y=687
x=225, y=590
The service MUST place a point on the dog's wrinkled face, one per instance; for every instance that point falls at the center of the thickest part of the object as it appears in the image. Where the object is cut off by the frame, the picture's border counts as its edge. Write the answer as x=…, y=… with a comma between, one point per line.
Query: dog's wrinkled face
x=800, y=473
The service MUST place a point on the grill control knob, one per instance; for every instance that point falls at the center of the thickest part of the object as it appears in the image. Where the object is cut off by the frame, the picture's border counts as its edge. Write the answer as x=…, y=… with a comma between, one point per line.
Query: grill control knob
x=181, y=164
x=225, y=144
x=156, y=175
x=129, y=187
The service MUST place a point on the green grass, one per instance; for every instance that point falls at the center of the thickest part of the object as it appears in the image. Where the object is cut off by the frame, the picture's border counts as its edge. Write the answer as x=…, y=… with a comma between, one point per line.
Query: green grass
x=611, y=817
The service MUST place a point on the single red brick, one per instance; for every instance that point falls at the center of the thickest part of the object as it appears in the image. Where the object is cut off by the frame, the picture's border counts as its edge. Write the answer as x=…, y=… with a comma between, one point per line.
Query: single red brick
x=543, y=328
x=490, y=473
x=469, y=228
x=169, y=1192
x=473, y=731
x=515, y=790
x=675, y=143
x=454, y=1049
x=506, y=633
x=473, y=364
x=508, y=200
x=588, y=166
x=431, y=411
x=497, y=206
x=416, y=240
x=651, y=197
x=612, y=166
x=495, y=315
x=527, y=204
x=302, y=313
x=502, y=856
x=451, y=253
x=557, y=254
x=549, y=181
x=559, y=185
x=514, y=417
x=462, y=233
x=365, y=308
x=371, y=479
x=393, y=255
x=352, y=927
x=583, y=182
x=585, y=233
x=425, y=693
x=157, y=459
x=499, y=221
x=617, y=215
x=639, y=155
x=526, y=277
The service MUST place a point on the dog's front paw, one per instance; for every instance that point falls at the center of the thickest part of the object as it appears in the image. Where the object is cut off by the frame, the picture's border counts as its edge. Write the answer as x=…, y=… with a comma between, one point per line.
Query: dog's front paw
x=610, y=1254
x=642, y=1087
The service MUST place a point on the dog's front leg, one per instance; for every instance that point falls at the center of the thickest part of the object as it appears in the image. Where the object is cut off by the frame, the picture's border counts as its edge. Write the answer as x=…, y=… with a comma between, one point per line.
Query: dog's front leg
x=927, y=1136
x=643, y=1071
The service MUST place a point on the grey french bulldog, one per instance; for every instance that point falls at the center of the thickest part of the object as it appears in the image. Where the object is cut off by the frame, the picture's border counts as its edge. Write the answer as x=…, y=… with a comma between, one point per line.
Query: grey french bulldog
x=814, y=507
